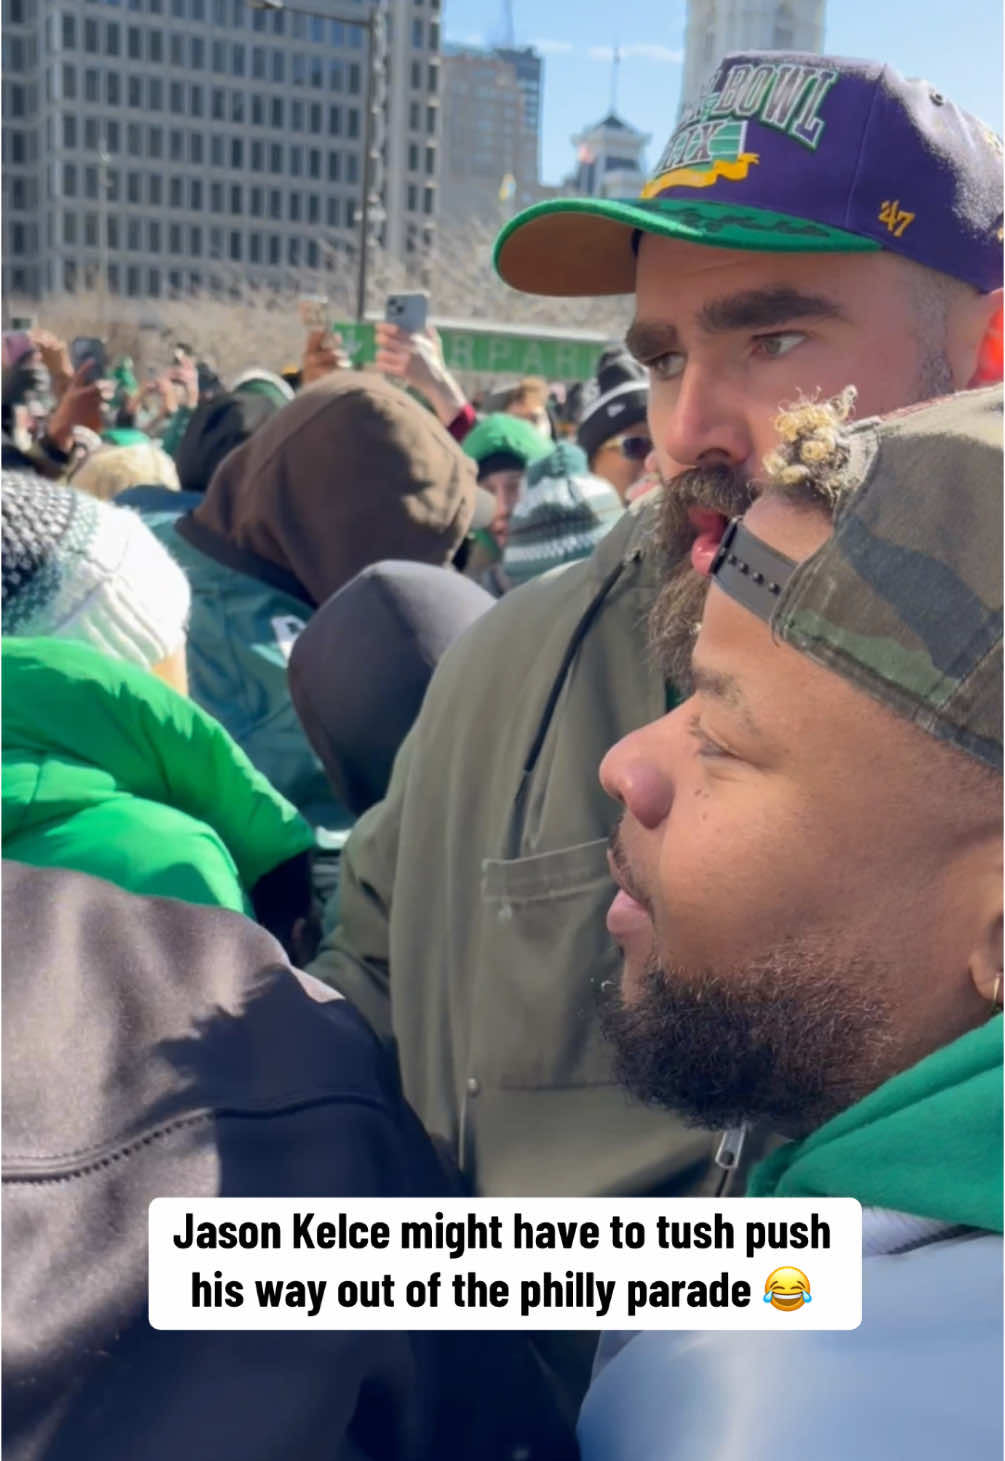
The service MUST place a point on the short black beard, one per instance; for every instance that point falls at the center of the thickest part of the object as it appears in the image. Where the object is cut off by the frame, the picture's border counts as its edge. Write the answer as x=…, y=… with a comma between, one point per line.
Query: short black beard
x=676, y=615
x=790, y=1040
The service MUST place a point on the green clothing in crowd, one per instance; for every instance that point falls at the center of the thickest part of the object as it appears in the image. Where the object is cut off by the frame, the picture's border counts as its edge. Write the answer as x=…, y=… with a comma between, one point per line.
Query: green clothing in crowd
x=109, y=771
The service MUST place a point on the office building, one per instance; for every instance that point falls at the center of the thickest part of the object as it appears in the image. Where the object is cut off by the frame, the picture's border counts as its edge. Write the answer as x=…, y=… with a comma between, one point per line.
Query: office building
x=167, y=146
x=610, y=160
x=491, y=144
x=716, y=27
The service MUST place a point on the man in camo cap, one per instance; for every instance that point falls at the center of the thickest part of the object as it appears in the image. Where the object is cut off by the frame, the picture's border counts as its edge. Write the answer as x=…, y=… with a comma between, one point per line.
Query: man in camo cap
x=810, y=914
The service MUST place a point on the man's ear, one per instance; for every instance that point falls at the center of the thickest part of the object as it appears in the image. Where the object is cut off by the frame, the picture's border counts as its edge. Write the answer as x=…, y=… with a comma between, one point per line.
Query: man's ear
x=989, y=352
x=986, y=963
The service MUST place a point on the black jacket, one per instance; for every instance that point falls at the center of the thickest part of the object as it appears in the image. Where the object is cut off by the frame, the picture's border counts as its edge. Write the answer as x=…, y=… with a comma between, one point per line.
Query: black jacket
x=156, y=1048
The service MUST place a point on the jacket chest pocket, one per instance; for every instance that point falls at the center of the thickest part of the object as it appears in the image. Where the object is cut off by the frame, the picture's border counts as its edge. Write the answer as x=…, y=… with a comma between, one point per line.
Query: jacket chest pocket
x=548, y=951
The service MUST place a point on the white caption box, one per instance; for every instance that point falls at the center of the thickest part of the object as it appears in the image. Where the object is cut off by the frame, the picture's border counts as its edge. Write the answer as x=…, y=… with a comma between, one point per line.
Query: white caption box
x=317, y=1263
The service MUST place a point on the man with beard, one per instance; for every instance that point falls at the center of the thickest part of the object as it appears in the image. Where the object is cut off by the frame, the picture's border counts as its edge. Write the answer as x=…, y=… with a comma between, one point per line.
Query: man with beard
x=810, y=913
x=473, y=899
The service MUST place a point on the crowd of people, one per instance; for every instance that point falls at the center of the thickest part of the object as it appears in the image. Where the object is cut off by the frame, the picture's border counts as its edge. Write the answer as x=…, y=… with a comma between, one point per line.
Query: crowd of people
x=587, y=789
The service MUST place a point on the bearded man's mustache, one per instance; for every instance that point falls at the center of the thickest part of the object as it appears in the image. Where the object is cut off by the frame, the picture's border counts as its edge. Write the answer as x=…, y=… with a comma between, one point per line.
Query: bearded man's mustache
x=676, y=615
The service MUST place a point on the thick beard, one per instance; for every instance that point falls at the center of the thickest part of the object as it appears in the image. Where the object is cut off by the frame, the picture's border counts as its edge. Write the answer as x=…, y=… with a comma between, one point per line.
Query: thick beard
x=676, y=615
x=790, y=1039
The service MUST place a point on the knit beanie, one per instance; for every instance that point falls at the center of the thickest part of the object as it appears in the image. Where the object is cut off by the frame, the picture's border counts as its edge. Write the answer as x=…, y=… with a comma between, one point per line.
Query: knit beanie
x=83, y=569
x=617, y=398
x=505, y=443
x=560, y=517
x=256, y=382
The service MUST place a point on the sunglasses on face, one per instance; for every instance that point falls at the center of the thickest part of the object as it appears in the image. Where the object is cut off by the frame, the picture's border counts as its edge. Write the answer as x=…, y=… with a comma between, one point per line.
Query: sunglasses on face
x=632, y=448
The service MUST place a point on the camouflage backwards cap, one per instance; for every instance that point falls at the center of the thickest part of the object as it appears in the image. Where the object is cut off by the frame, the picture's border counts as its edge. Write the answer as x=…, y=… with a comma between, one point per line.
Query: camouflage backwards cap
x=905, y=598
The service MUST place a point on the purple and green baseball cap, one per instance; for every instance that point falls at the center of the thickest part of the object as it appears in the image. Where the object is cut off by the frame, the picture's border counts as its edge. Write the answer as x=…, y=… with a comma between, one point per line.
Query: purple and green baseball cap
x=788, y=152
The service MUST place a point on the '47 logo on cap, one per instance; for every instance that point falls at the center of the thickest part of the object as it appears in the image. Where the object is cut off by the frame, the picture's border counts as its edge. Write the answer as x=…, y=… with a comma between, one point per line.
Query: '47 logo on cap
x=895, y=217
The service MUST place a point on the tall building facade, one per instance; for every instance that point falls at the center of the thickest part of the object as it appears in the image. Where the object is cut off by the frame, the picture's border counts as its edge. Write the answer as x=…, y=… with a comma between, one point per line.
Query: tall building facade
x=157, y=147
x=716, y=27
x=491, y=131
x=610, y=160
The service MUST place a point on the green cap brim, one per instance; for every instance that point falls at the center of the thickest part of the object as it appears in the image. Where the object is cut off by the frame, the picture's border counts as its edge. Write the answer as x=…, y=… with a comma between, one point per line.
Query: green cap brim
x=583, y=246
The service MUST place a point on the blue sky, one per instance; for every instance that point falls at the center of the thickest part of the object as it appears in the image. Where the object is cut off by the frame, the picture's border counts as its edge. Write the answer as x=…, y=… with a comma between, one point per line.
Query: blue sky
x=957, y=46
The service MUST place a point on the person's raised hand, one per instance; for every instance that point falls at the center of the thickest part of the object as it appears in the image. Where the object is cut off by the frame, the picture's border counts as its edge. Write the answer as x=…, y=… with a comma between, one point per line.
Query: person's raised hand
x=80, y=405
x=323, y=353
x=185, y=376
x=55, y=354
x=417, y=361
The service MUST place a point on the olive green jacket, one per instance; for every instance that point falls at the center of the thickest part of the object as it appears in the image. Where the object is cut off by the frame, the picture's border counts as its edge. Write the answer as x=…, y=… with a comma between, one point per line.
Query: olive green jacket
x=473, y=899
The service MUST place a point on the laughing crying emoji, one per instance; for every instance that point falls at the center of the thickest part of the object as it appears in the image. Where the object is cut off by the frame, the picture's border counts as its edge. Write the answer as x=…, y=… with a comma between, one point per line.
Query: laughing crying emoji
x=787, y=1289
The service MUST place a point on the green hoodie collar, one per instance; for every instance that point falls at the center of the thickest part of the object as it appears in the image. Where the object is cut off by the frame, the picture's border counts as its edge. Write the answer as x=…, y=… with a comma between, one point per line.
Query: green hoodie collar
x=928, y=1142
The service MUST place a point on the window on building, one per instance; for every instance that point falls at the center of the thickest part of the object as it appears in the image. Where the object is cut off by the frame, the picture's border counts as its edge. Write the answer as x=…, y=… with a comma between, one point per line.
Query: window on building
x=293, y=252
x=195, y=241
x=133, y=243
x=155, y=189
x=317, y=72
x=153, y=236
x=135, y=92
x=69, y=228
x=258, y=111
x=237, y=107
x=413, y=198
x=216, y=243
x=299, y=69
x=69, y=275
x=178, y=9
x=276, y=112
x=334, y=212
x=69, y=180
x=113, y=88
x=91, y=142
x=258, y=65
x=238, y=15
x=336, y=33
x=91, y=230
x=134, y=43
x=255, y=202
x=216, y=151
x=352, y=122
x=427, y=200
x=255, y=248
x=294, y=207
x=313, y=208
x=174, y=238
x=175, y=277
x=415, y=116
x=274, y=246
x=434, y=79
x=176, y=49
x=431, y=114
x=354, y=78
x=112, y=38
x=315, y=125
x=237, y=60
x=236, y=199
x=69, y=130
x=154, y=283
x=133, y=282
x=278, y=62
x=350, y=213
x=416, y=76
x=92, y=85
x=176, y=99
x=195, y=148
x=219, y=61
x=430, y=161
x=352, y=168
x=195, y=194
x=334, y=121
x=134, y=187
x=314, y=162
x=218, y=104
x=155, y=142
x=156, y=38
x=417, y=33
x=134, y=133
x=434, y=35
x=155, y=94
x=195, y=101
x=90, y=182
x=257, y=156
x=69, y=82
x=296, y=162
x=236, y=251
x=196, y=52
x=113, y=278
x=111, y=135
x=69, y=32
x=175, y=192
x=275, y=158
x=296, y=116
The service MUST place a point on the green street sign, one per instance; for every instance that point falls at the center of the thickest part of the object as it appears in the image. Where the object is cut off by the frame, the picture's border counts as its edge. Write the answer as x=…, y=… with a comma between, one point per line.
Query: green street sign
x=494, y=353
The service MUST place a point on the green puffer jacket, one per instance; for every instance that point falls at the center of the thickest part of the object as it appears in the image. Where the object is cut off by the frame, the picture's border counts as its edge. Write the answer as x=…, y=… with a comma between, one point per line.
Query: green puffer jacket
x=240, y=637
x=106, y=770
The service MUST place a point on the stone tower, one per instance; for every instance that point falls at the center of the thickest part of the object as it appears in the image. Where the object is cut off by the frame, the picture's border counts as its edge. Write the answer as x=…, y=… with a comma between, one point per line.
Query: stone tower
x=715, y=27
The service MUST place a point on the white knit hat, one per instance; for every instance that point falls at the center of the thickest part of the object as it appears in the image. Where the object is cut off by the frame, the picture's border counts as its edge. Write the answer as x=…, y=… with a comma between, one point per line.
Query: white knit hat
x=78, y=568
